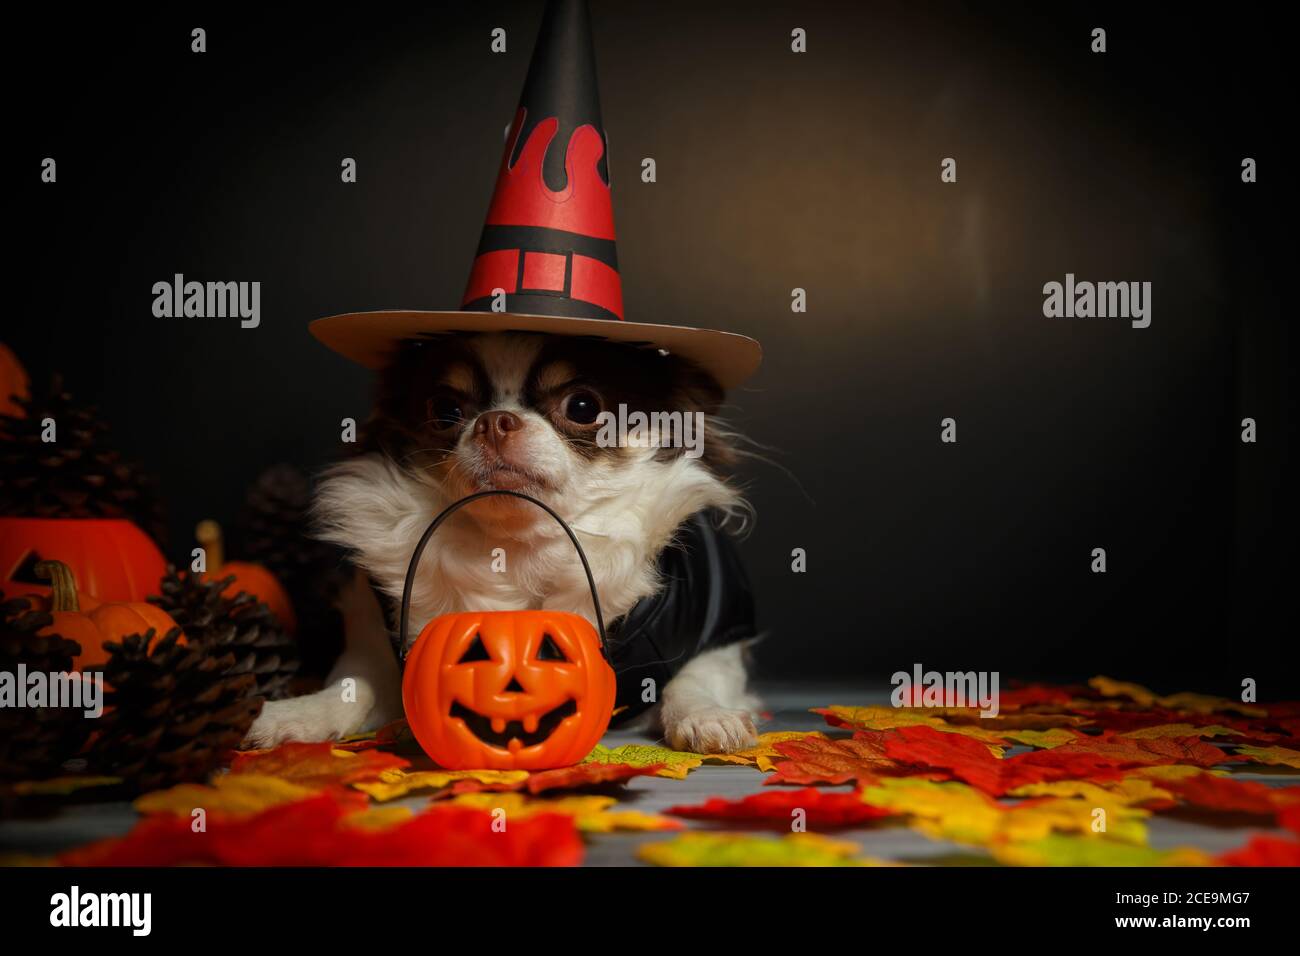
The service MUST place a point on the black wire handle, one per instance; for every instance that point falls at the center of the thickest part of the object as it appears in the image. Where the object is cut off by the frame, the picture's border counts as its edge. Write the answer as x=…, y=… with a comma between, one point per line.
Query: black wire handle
x=452, y=509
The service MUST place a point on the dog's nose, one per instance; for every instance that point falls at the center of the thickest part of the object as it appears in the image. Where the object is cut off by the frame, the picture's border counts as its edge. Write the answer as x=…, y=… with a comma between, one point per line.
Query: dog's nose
x=495, y=427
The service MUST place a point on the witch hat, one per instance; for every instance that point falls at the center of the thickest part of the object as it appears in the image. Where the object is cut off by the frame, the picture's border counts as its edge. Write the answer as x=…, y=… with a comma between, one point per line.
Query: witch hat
x=547, y=251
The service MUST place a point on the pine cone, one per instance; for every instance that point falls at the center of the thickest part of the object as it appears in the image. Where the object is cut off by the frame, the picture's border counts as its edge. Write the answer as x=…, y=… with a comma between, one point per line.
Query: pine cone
x=34, y=742
x=80, y=475
x=274, y=530
x=241, y=626
x=176, y=709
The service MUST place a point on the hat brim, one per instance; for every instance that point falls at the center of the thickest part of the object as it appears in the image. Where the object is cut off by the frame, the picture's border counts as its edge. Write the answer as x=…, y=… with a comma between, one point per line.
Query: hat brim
x=369, y=337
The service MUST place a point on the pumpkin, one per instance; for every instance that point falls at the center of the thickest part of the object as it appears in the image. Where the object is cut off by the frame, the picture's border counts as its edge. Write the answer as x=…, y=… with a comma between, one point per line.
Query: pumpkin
x=252, y=579
x=110, y=558
x=508, y=690
x=13, y=383
x=84, y=619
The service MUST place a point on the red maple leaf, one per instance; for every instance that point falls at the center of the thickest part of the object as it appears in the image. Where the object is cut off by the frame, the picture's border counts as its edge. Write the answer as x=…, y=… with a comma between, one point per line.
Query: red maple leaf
x=316, y=765
x=1264, y=851
x=823, y=809
x=1235, y=796
x=823, y=760
x=313, y=832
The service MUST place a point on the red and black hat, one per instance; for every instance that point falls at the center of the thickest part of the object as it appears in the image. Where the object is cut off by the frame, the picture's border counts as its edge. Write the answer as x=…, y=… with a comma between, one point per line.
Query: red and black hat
x=547, y=251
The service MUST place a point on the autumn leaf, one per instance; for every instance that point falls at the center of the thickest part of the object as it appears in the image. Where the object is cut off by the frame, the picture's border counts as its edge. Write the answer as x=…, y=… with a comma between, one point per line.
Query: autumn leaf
x=1181, y=730
x=394, y=783
x=235, y=795
x=764, y=752
x=741, y=849
x=821, y=809
x=1016, y=698
x=1210, y=792
x=892, y=718
x=317, y=832
x=316, y=765
x=578, y=777
x=61, y=786
x=1130, y=791
x=1093, y=850
x=675, y=763
x=1195, y=703
x=590, y=813
x=1276, y=756
x=1264, y=850
x=1136, y=750
x=1041, y=739
x=823, y=760
x=964, y=814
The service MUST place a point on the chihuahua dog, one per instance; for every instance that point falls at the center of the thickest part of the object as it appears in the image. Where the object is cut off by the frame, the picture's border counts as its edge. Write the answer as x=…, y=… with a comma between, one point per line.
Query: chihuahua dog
x=463, y=413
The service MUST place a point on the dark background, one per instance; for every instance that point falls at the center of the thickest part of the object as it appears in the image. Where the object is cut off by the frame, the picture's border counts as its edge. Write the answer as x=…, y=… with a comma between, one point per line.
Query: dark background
x=775, y=170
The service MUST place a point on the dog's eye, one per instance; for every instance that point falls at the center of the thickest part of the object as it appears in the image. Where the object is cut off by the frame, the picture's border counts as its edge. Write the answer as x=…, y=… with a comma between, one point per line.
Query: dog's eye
x=550, y=651
x=475, y=652
x=445, y=412
x=582, y=407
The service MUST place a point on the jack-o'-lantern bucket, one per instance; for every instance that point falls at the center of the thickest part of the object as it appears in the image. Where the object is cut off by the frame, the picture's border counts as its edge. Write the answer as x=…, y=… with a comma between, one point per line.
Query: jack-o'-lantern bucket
x=506, y=690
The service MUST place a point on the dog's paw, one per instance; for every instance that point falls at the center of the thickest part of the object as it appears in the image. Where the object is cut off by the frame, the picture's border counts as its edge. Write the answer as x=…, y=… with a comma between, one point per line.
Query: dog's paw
x=712, y=731
x=310, y=719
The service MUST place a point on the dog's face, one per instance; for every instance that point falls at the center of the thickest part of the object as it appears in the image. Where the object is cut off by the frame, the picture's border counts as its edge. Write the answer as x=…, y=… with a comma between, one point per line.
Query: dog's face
x=523, y=413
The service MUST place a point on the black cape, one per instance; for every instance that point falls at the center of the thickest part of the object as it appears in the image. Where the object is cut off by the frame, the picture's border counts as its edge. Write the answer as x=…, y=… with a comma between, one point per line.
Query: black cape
x=706, y=601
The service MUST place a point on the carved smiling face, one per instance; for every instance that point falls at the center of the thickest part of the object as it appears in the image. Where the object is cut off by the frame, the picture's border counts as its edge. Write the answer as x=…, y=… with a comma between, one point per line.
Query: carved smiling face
x=503, y=690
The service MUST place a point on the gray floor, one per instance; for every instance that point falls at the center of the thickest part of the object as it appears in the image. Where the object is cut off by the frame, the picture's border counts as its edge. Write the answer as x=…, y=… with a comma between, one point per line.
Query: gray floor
x=789, y=708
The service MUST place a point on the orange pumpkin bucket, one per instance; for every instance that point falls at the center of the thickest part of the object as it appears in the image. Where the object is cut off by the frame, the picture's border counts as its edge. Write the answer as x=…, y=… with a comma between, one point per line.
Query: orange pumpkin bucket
x=506, y=690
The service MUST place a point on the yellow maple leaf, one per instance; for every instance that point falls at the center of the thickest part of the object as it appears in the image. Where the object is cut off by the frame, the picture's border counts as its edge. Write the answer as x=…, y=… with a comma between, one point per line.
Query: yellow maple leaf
x=591, y=813
x=1093, y=850
x=1132, y=791
x=743, y=849
x=1042, y=739
x=891, y=718
x=955, y=811
x=1173, y=771
x=1276, y=756
x=61, y=786
x=229, y=795
x=679, y=763
x=379, y=818
x=396, y=783
x=1181, y=730
x=1195, y=703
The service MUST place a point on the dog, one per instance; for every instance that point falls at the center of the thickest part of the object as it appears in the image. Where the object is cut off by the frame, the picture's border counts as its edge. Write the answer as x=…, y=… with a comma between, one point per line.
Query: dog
x=462, y=413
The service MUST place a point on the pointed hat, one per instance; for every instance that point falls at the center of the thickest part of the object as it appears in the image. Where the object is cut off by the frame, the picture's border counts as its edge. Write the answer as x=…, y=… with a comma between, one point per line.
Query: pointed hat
x=547, y=251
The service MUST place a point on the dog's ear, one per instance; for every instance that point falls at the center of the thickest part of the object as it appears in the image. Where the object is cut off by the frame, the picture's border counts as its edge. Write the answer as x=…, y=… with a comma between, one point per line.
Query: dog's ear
x=695, y=389
x=401, y=388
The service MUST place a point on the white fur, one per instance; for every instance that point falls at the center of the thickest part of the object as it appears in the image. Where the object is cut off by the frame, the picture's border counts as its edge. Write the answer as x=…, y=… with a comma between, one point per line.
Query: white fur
x=624, y=514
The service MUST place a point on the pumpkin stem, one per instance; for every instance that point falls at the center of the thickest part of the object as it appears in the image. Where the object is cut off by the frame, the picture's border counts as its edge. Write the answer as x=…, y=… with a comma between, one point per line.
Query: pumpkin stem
x=208, y=533
x=63, y=585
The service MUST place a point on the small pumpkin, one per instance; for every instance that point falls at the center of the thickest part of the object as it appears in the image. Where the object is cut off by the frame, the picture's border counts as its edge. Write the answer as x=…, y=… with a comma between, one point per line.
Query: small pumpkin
x=90, y=622
x=110, y=558
x=13, y=383
x=253, y=579
x=508, y=690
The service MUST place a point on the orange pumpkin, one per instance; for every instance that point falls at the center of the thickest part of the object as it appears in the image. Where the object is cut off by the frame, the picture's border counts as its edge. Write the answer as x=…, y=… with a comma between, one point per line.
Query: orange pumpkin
x=82, y=618
x=253, y=579
x=110, y=558
x=508, y=690
x=13, y=383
